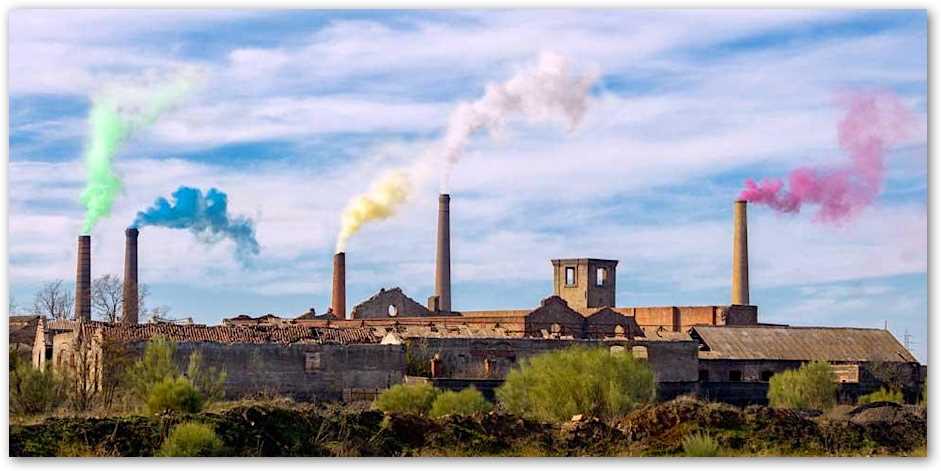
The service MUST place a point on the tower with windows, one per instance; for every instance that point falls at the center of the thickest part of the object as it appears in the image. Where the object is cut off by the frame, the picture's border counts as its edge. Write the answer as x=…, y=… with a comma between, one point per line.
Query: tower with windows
x=585, y=282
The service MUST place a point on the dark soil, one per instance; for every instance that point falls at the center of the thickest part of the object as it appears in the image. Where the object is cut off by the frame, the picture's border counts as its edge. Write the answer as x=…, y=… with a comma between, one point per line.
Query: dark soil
x=273, y=429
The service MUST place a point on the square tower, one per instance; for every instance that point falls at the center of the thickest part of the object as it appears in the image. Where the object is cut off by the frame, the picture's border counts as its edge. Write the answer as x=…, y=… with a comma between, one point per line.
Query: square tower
x=585, y=282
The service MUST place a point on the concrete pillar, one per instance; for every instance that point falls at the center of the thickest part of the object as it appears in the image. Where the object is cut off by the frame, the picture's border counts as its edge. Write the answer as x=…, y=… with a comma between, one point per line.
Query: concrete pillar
x=443, y=258
x=338, y=303
x=130, y=296
x=739, y=253
x=83, y=280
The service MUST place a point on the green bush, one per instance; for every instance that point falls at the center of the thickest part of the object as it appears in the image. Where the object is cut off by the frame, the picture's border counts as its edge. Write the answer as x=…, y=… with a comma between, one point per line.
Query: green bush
x=813, y=386
x=153, y=367
x=556, y=385
x=33, y=390
x=886, y=395
x=414, y=399
x=700, y=445
x=174, y=394
x=208, y=381
x=192, y=439
x=466, y=402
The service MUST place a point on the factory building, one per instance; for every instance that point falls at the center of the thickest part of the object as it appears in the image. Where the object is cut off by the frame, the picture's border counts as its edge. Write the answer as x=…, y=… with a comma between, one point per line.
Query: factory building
x=718, y=351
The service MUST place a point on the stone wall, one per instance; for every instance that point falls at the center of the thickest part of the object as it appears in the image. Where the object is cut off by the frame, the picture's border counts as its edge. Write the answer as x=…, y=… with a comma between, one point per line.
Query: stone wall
x=302, y=371
x=671, y=361
x=378, y=306
x=556, y=319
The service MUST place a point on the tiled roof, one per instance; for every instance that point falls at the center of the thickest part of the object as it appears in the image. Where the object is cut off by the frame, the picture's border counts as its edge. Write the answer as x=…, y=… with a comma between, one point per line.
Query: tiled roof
x=801, y=344
x=258, y=334
x=23, y=329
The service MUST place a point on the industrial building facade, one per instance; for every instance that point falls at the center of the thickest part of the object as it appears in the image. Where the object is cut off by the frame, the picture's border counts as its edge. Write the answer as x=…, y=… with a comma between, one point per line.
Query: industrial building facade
x=718, y=351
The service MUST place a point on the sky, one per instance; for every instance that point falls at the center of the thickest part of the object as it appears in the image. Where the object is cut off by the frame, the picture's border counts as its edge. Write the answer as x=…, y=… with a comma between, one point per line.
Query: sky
x=296, y=112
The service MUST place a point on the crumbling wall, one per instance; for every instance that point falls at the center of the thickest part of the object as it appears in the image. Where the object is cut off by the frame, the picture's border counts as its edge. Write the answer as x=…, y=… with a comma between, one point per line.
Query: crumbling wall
x=304, y=372
x=470, y=358
x=671, y=361
x=607, y=323
x=378, y=306
x=555, y=318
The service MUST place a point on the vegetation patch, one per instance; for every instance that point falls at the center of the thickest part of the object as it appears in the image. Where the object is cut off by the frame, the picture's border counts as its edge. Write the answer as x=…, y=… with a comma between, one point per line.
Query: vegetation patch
x=592, y=381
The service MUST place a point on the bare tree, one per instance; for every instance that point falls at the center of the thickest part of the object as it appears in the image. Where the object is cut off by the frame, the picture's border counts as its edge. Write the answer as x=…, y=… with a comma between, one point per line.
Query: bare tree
x=107, y=297
x=54, y=300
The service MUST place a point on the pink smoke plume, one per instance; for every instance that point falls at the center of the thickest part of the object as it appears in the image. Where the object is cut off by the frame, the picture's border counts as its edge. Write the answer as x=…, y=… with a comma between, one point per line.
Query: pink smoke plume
x=873, y=123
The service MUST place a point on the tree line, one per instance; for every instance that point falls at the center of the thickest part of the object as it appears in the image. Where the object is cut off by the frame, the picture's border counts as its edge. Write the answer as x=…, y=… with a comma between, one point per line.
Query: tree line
x=56, y=300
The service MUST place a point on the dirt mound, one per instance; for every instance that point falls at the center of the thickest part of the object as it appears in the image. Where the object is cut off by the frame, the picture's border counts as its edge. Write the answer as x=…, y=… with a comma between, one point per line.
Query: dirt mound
x=259, y=429
x=893, y=426
x=589, y=436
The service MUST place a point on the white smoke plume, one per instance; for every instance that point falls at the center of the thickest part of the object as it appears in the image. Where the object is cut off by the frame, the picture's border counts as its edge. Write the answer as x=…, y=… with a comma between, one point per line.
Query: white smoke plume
x=549, y=90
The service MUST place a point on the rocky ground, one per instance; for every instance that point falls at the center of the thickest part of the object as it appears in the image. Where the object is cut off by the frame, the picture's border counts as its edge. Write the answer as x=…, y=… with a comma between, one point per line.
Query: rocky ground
x=279, y=429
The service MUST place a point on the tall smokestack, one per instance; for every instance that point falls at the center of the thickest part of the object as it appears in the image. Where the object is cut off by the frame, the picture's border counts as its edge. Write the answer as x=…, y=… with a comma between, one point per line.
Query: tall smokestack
x=338, y=303
x=443, y=258
x=130, y=300
x=739, y=253
x=83, y=280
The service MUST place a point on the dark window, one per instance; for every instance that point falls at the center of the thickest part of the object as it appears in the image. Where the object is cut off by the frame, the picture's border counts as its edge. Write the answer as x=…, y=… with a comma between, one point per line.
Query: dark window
x=735, y=375
x=704, y=375
x=766, y=375
x=569, y=276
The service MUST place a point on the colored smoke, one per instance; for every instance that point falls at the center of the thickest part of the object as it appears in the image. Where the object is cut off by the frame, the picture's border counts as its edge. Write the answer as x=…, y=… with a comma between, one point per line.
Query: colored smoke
x=548, y=90
x=114, y=119
x=205, y=216
x=872, y=124
x=380, y=202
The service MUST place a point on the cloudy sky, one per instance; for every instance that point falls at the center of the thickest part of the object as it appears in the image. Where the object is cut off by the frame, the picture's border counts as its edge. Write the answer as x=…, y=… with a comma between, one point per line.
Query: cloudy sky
x=297, y=112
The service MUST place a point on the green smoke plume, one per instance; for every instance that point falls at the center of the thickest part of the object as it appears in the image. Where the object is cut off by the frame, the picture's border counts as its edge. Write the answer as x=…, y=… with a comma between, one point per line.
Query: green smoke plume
x=111, y=125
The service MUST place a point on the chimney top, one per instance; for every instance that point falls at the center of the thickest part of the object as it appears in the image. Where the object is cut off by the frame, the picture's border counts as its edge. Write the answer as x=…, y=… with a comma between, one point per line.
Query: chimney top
x=741, y=201
x=444, y=197
x=132, y=231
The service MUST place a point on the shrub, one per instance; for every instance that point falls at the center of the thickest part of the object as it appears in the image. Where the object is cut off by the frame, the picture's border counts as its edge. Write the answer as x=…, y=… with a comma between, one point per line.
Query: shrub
x=192, y=439
x=700, y=445
x=153, y=367
x=886, y=395
x=33, y=390
x=466, y=402
x=554, y=386
x=174, y=394
x=813, y=386
x=208, y=381
x=414, y=399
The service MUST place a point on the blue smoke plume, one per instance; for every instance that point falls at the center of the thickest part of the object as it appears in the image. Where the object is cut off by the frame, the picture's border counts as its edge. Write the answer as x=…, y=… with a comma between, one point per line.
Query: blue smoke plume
x=206, y=217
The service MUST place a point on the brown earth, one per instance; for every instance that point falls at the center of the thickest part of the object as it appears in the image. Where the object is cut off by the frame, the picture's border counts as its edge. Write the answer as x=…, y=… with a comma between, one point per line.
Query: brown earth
x=271, y=429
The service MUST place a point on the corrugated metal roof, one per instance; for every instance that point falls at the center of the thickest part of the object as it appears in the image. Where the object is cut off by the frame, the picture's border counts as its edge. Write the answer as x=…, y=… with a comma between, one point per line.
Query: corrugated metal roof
x=801, y=344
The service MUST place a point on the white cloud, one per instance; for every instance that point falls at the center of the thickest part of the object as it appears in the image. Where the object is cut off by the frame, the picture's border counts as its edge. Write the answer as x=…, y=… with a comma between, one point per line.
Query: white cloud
x=699, y=119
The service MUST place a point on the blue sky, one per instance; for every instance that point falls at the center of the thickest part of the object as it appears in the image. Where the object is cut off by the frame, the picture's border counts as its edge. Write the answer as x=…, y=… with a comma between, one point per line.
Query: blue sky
x=299, y=111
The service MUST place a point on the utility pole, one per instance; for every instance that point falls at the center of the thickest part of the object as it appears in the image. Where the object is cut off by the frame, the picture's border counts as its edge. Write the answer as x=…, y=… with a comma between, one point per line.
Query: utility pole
x=907, y=339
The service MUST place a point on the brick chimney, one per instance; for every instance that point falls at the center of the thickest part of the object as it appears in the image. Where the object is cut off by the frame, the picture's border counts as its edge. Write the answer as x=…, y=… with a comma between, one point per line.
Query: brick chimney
x=443, y=258
x=83, y=280
x=338, y=303
x=739, y=253
x=130, y=298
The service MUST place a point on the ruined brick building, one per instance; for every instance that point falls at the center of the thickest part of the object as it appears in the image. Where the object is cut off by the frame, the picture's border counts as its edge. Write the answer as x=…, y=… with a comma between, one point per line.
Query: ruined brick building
x=718, y=351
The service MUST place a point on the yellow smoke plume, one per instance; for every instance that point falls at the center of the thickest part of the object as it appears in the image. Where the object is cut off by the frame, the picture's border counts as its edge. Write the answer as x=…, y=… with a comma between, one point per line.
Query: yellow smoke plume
x=381, y=201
